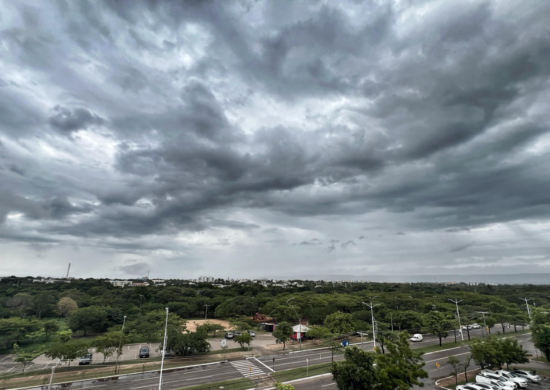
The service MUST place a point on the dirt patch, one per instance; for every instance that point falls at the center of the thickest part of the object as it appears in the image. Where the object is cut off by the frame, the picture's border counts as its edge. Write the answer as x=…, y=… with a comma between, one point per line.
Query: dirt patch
x=192, y=325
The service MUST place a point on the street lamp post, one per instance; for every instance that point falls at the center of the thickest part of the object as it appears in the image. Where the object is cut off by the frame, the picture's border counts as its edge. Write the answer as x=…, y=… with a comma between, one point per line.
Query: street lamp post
x=119, y=344
x=163, y=349
x=51, y=378
x=484, y=323
x=299, y=320
x=206, y=312
x=527, y=304
x=456, y=301
x=372, y=318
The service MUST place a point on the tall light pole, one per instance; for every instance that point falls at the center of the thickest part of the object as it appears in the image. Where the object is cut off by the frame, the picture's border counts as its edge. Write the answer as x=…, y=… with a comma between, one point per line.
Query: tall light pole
x=299, y=320
x=119, y=344
x=51, y=378
x=527, y=304
x=163, y=349
x=372, y=318
x=484, y=323
x=206, y=312
x=456, y=302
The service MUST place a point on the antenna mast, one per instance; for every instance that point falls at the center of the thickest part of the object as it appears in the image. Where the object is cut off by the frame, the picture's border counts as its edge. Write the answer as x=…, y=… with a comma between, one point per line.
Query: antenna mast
x=68, y=269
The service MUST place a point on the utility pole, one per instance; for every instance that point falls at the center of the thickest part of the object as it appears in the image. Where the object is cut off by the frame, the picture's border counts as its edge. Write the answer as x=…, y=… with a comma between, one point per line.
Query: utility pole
x=372, y=317
x=119, y=344
x=163, y=349
x=484, y=323
x=299, y=320
x=527, y=304
x=51, y=378
x=206, y=312
x=456, y=302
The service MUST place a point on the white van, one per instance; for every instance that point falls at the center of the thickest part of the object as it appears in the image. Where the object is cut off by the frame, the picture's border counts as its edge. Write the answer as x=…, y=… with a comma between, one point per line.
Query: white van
x=490, y=381
x=417, y=337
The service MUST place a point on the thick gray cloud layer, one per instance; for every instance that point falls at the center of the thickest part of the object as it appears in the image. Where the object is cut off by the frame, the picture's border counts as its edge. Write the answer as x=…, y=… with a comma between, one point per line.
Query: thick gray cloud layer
x=251, y=138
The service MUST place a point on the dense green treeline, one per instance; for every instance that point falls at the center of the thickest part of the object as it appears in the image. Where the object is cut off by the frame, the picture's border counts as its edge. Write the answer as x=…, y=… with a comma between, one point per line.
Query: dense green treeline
x=93, y=306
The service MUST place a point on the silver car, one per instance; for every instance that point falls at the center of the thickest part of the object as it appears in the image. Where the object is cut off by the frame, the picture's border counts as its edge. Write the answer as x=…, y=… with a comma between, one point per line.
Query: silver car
x=529, y=375
x=522, y=382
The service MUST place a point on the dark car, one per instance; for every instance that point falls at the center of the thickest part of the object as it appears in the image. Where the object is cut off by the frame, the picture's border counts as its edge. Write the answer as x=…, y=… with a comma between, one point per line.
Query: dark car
x=229, y=335
x=144, y=352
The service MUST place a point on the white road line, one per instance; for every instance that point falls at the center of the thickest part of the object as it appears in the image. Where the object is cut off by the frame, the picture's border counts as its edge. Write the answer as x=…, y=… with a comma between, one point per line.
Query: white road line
x=269, y=368
x=330, y=384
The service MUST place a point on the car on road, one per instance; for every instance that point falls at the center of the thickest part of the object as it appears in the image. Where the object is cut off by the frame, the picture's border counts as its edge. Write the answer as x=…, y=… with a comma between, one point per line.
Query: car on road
x=86, y=359
x=144, y=352
x=252, y=333
x=475, y=326
x=230, y=335
x=522, y=382
x=493, y=382
x=492, y=375
x=466, y=327
x=417, y=337
x=529, y=375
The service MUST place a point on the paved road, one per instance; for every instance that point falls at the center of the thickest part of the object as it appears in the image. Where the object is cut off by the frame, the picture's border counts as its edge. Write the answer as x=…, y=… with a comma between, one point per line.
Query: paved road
x=205, y=374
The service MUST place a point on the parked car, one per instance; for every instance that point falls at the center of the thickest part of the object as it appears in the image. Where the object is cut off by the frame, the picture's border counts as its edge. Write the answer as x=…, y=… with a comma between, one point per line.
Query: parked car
x=522, y=382
x=417, y=337
x=486, y=386
x=465, y=327
x=476, y=386
x=229, y=335
x=237, y=333
x=475, y=326
x=86, y=359
x=529, y=375
x=493, y=382
x=358, y=333
x=144, y=352
x=492, y=375
x=252, y=333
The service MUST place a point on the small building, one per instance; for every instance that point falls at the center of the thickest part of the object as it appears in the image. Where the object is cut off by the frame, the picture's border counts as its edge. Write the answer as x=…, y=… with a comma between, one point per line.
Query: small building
x=299, y=332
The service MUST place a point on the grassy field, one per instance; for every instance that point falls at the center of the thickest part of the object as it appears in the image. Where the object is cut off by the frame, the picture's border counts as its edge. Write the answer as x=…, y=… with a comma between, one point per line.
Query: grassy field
x=296, y=373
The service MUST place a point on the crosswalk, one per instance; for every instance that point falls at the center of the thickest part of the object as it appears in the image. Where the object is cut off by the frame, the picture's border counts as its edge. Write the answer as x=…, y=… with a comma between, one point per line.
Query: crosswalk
x=247, y=368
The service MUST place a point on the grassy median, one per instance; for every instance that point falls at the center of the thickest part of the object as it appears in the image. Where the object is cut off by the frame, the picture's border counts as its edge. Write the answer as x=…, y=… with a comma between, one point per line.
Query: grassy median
x=302, y=372
x=236, y=384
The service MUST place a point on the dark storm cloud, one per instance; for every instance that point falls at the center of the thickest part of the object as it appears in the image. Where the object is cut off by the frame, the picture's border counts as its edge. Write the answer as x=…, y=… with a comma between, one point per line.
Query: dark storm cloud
x=67, y=121
x=140, y=268
x=277, y=112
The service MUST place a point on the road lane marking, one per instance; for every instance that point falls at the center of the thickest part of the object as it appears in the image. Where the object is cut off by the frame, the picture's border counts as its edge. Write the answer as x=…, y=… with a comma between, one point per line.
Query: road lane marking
x=269, y=368
x=330, y=384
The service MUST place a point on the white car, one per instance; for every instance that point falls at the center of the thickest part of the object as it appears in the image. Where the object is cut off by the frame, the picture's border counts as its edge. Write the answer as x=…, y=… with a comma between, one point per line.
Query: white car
x=475, y=326
x=493, y=375
x=522, y=382
x=529, y=375
x=417, y=337
x=499, y=384
x=476, y=386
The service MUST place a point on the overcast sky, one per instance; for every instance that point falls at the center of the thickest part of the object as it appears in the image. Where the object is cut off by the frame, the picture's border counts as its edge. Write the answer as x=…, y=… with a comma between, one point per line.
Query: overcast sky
x=262, y=138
